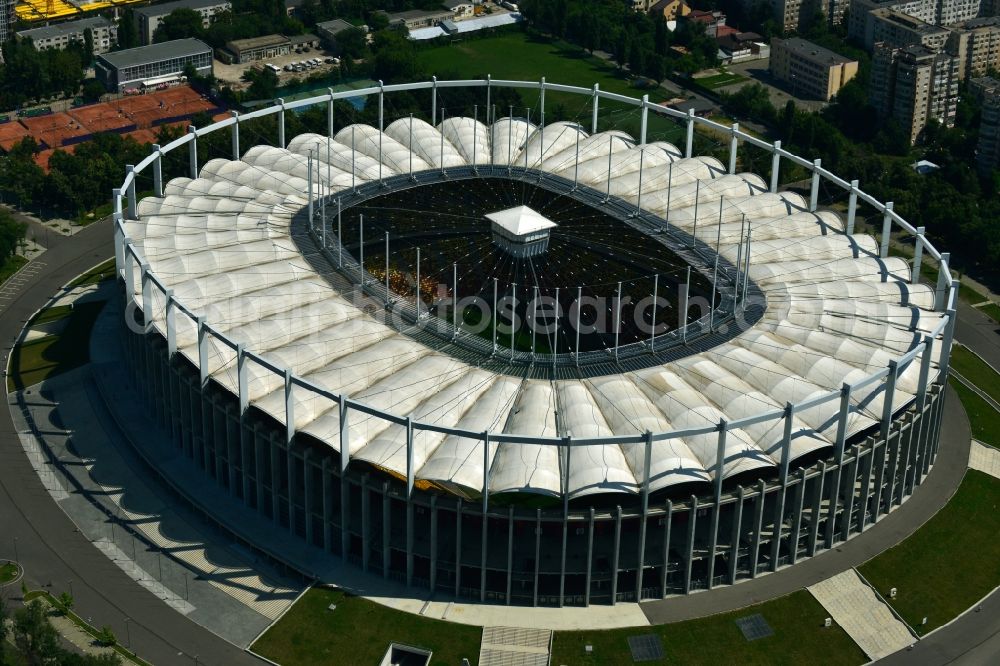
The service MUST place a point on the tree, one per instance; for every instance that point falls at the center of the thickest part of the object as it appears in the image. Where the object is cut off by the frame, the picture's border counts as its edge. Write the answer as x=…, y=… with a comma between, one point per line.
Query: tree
x=20, y=176
x=656, y=68
x=106, y=637
x=622, y=48
x=11, y=234
x=179, y=24
x=264, y=85
x=352, y=42
x=92, y=90
x=128, y=35
x=4, y=630
x=395, y=58
x=88, y=45
x=34, y=636
x=661, y=36
x=66, y=601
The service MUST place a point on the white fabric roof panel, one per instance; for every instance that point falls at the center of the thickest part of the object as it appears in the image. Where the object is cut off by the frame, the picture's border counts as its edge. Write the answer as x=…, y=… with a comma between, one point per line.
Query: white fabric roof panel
x=428, y=142
x=835, y=313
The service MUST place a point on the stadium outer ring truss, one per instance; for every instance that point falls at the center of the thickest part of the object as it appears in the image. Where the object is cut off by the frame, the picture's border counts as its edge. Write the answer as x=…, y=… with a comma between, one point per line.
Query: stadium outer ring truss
x=514, y=554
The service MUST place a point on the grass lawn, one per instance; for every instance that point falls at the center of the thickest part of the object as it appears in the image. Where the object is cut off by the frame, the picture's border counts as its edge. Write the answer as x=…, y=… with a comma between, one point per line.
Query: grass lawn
x=949, y=563
x=976, y=371
x=517, y=56
x=8, y=572
x=40, y=359
x=984, y=419
x=103, y=271
x=992, y=311
x=11, y=266
x=358, y=632
x=799, y=638
x=719, y=80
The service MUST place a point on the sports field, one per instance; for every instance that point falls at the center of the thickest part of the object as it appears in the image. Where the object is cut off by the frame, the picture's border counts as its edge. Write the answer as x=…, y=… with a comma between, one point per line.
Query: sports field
x=518, y=56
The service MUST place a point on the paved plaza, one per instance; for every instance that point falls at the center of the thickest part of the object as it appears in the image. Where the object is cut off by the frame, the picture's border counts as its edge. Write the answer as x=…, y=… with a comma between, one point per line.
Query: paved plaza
x=862, y=614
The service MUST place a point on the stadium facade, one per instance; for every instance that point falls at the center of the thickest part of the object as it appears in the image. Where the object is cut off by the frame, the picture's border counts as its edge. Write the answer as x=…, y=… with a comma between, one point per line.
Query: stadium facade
x=327, y=383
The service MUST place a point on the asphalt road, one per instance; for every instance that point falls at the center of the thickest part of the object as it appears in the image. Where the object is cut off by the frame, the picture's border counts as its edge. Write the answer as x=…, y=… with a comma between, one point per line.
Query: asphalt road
x=46, y=542
x=979, y=333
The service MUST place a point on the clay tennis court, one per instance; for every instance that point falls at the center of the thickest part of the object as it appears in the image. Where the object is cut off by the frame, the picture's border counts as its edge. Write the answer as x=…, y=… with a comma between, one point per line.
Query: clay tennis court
x=142, y=136
x=53, y=130
x=144, y=113
x=101, y=118
x=42, y=158
x=10, y=133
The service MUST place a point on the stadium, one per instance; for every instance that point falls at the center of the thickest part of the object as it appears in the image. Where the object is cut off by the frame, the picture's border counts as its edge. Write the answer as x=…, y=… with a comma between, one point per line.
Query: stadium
x=530, y=363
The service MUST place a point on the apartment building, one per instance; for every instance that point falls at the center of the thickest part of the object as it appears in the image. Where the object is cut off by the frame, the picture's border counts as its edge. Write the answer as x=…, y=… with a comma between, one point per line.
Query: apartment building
x=914, y=85
x=954, y=11
x=987, y=90
x=103, y=32
x=897, y=29
x=7, y=19
x=976, y=44
x=148, y=19
x=811, y=70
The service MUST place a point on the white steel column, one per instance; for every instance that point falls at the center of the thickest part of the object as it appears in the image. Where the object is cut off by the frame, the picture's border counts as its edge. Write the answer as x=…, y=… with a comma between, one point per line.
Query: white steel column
x=886, y=230
x=689, y=145
x=779, y=505
x=814, y=189
x=720, y=466
x=281, y=124
x=157, y=171
x=193, y=152
x=918, y=254
x=593, y=117
x=775, y=166
x=734, y=144
x=644, y=120
x=852, y=207
x=235, y=135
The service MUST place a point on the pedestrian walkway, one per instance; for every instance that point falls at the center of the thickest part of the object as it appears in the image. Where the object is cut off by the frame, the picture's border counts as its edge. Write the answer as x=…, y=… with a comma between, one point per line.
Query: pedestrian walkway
x=862, y=614
x=985, y=459
x=133, y=521
x=513, y=646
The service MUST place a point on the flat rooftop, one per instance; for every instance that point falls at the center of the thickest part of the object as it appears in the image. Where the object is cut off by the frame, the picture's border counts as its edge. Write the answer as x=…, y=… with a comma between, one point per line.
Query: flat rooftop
x=68, y=28
x=257, y=42
x=908, y=22
x=167, y=7
x=811, y=52
x=177, y=48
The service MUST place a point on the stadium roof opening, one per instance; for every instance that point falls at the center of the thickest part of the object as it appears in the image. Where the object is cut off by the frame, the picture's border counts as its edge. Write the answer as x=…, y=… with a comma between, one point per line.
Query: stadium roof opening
x=521, y=231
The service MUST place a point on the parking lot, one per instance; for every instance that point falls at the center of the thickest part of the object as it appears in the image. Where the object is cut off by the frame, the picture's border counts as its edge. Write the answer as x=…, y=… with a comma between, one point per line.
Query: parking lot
x=233, y=73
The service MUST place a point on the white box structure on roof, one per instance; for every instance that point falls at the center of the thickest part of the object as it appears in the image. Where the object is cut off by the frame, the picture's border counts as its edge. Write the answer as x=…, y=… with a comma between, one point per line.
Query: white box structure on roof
x=520, y=231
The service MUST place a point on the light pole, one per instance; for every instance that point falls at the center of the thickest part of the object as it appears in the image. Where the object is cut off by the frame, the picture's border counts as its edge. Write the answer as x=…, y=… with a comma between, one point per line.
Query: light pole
x=16, y=557
x=128, y=633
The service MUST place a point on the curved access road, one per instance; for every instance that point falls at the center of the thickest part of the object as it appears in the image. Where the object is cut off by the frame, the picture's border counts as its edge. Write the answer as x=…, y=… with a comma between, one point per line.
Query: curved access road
x=35, y=529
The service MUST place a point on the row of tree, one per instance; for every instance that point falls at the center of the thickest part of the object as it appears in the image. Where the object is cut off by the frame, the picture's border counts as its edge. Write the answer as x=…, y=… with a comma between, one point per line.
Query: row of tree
x=76, y=182
x=30, y=75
